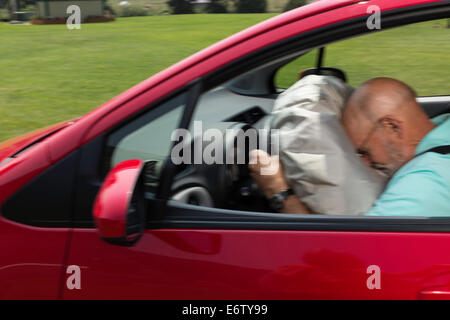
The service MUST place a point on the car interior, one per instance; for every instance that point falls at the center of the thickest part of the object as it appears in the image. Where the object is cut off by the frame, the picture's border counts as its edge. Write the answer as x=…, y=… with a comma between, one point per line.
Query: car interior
x=243, y=103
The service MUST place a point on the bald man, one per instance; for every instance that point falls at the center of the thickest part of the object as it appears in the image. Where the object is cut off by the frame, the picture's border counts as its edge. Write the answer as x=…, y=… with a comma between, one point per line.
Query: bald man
x=391, y=133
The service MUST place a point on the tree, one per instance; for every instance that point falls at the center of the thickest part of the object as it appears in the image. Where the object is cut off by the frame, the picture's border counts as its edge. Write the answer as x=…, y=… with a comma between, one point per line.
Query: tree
x=292, y=4
x=180, y=6
x=251, y=6
x=107, y=7
x=14, y=6
x=216, y=6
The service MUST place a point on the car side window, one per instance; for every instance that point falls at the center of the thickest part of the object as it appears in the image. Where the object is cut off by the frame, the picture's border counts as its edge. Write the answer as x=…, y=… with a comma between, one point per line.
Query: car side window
x=147, y=137
x=413, y=53
x=288, y=74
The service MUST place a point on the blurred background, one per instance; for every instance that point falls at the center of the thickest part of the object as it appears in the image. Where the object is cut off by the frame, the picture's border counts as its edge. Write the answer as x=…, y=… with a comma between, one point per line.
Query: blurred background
x=50, y=73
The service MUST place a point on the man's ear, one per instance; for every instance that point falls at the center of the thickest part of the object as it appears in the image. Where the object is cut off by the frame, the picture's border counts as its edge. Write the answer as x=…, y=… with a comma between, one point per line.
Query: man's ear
x=394, y=125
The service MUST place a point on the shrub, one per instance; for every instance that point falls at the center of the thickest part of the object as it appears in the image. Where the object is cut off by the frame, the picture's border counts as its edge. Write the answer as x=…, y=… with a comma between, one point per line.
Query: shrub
x=216, y=6
x=132, y=11
x=292, y=4
x=108, y=7
x=180, y=6
x=4, y=15
x=251, y=6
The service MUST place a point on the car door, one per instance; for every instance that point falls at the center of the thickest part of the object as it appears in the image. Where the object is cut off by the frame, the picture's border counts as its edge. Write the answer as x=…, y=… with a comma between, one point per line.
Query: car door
x=195, y=252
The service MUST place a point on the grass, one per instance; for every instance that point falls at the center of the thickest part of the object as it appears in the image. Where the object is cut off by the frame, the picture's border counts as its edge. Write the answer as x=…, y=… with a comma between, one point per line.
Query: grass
x=50, y=74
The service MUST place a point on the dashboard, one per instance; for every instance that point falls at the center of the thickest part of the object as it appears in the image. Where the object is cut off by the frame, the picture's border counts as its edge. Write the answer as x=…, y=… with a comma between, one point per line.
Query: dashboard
x=226, y=183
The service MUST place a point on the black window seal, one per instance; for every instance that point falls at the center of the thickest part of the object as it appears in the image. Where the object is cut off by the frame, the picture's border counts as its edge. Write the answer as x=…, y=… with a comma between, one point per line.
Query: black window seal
x=186, y=216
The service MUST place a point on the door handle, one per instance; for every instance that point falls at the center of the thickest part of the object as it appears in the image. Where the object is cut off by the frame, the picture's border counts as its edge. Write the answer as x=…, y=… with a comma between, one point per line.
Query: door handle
x=434, y=294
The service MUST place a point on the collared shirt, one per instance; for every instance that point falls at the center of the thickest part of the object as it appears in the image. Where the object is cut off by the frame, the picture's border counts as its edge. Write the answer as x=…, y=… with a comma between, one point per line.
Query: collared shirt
x=422, y=186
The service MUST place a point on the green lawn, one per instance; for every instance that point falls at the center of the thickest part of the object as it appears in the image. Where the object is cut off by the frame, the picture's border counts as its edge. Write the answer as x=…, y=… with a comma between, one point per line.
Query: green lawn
x=49, y=73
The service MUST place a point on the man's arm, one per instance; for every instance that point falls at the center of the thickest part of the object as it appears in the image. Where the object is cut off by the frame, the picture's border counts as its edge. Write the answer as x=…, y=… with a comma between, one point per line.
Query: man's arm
x=293, y=205
x=270, y=184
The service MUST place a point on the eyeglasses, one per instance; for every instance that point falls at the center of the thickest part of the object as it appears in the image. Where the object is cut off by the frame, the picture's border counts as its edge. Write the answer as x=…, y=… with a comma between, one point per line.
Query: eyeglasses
x=362, y=152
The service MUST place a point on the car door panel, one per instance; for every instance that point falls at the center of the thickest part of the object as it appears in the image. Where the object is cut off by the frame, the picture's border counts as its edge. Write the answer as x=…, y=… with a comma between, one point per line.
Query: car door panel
x=251, y=264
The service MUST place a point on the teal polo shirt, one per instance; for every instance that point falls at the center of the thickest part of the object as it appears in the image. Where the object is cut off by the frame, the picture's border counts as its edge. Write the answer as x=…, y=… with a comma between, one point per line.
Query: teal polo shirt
x=421, y=188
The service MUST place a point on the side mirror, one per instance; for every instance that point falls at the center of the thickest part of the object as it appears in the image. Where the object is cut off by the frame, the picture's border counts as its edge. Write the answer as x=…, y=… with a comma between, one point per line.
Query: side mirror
x=119, y=208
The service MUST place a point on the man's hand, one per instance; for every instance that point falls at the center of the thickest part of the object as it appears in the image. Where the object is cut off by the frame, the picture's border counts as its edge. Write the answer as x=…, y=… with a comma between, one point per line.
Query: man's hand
x=267, y=173
x=261, y=164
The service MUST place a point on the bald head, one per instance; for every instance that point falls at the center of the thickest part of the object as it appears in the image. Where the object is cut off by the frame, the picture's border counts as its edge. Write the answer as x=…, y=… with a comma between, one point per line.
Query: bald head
x=381, y=96
x=386, y=109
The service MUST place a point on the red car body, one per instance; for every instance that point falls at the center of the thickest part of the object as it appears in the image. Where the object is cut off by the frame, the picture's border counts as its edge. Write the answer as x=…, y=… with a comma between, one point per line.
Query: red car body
x=210, y=263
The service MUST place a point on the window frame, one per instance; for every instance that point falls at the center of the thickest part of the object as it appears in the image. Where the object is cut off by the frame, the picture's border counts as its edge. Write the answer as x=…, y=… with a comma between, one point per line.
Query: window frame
x=167, y=214
x=321, y=37
x=185, y=216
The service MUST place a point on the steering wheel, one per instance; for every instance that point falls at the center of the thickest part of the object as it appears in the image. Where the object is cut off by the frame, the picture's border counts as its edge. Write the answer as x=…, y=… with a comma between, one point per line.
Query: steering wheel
x=226, y=184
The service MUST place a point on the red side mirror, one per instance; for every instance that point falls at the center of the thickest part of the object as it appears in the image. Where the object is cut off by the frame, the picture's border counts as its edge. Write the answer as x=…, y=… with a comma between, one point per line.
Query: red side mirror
x=119, y=208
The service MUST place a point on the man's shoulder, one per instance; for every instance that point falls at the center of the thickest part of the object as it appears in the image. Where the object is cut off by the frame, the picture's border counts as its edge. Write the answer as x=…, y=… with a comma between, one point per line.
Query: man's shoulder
x=429, y=163
x=420, y=188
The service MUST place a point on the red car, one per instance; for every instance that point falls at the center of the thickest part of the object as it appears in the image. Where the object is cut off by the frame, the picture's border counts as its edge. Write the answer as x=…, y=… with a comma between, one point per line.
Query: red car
x=92, y=208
